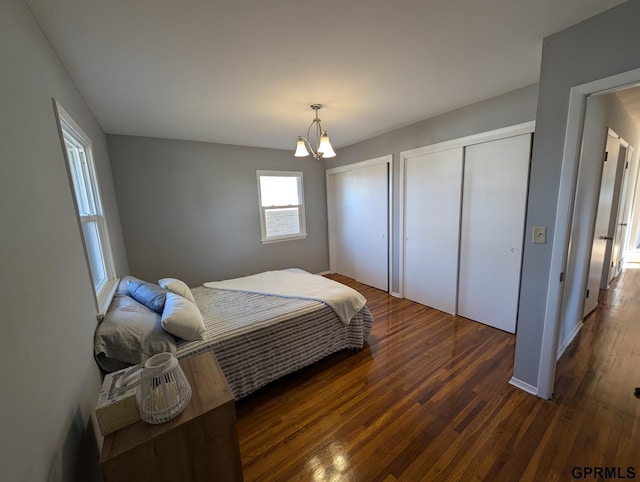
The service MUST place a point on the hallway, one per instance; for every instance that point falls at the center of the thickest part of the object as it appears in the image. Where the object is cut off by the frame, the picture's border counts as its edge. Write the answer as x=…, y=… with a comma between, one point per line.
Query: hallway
x=599, y=414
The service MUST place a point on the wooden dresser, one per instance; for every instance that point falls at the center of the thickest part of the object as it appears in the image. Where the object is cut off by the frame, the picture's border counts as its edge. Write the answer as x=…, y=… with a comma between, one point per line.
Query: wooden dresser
x=199, y=445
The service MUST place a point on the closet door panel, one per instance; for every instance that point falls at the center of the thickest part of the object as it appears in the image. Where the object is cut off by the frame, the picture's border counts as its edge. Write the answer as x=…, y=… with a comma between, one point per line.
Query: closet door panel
x=343, y=229
x=371, y=237
x=432, y=220
x=359, y=204
x=496, y=177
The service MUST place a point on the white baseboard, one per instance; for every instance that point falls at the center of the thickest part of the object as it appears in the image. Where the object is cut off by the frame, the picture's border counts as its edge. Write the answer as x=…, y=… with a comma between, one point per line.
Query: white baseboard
x=568, y=341
x=322, y=273
x=524, y=386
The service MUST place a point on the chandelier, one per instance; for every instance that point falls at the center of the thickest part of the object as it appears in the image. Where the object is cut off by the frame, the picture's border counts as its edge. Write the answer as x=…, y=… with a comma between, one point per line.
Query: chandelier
x=323, y=150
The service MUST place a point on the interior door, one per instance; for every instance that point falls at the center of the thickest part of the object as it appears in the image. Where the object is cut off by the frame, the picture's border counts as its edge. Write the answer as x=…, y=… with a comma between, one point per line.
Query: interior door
x=601, y=234
x=496, y=176
x=359, y=205
x=433, y=184
x=622, y=221
x=631, y=248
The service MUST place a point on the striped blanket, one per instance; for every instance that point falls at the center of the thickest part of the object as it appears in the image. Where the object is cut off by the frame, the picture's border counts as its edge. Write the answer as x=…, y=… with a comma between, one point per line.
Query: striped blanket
x=345, y=301
x=258, y=338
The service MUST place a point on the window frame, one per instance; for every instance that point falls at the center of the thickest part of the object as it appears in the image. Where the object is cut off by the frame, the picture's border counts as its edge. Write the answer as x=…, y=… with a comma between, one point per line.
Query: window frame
x=302, y=233
x=72, y=133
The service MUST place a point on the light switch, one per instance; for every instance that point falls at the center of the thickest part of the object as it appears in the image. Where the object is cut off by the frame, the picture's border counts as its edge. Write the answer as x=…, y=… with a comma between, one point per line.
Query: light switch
x=539, y=234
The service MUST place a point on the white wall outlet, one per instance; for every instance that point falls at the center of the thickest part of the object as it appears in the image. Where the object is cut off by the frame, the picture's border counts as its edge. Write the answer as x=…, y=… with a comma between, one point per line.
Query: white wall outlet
x=539, y=234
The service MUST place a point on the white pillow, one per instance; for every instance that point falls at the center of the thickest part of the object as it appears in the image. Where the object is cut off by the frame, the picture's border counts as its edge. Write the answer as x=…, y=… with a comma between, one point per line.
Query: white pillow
x=178, y=287
x=182, y=318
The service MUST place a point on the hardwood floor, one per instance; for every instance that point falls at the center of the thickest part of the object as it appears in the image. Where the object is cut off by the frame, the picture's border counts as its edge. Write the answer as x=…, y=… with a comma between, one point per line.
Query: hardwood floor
x=428, y=399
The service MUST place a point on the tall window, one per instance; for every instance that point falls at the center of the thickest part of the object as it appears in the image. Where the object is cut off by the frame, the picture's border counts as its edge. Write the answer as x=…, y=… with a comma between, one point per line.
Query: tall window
x=281, y=205
x=89, y=207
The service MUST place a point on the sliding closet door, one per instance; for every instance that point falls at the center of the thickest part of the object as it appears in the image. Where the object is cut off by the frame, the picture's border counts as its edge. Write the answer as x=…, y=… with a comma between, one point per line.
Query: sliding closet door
x=431, y=225
x=359, y=210
x=496, y=176
x=371, y=249
x=344, y=217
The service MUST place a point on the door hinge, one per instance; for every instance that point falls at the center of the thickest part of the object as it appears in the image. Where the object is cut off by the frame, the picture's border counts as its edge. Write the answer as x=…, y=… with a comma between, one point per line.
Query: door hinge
x=626, y=166
x=561, y=277
x=606, y=156
x=587, y=294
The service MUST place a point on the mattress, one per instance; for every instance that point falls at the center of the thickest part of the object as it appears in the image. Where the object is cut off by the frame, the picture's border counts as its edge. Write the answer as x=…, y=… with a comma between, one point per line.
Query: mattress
x=259, y=338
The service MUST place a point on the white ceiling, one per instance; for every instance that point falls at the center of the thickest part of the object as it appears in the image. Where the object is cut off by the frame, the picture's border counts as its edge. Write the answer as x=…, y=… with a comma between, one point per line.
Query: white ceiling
x=245, y=71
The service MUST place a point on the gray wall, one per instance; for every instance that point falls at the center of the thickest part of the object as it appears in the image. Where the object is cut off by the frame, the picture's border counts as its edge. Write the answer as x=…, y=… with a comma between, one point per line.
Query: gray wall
x=603, y=111
x=190, y=209
x=596, y=48
x=49, y=379
x=505, y=110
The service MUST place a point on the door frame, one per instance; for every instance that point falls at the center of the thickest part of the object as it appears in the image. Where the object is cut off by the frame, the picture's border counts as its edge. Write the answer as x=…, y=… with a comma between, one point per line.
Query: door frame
x=387, y=159
x=564, y=212
x=509, y=131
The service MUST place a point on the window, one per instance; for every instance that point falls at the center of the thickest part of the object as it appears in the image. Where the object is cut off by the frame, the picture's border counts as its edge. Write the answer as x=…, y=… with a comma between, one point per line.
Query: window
x=281, y=205
x=84, y=182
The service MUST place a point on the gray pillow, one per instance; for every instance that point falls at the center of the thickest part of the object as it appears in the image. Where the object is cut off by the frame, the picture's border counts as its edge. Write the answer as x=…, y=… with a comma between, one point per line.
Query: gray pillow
x=150, y=295
x=129, y=334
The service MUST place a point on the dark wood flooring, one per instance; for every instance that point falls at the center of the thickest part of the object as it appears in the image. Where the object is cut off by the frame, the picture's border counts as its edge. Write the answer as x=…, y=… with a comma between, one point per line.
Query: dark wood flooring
x=429, y=399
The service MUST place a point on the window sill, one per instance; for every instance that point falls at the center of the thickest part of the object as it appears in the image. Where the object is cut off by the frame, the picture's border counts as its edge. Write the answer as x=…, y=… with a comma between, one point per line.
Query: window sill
x=284, y=238
x=106, y=295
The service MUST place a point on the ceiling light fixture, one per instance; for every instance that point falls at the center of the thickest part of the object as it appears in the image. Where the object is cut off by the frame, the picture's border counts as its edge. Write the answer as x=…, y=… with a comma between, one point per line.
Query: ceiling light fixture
x=324, y=150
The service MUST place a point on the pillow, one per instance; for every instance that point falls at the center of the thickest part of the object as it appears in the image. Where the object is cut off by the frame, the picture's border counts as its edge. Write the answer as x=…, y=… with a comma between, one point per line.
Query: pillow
x=178, y=287
x=182, y=318
x=149, y=294
x=129, y=334
x=123, y=285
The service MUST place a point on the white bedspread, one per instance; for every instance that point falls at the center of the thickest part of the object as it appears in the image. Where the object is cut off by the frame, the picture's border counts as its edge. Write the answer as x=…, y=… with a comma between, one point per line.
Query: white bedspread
x=345, y=301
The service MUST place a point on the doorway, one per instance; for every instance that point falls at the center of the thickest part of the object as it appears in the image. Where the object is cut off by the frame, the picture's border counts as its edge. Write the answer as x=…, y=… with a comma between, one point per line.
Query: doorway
x=567, y=230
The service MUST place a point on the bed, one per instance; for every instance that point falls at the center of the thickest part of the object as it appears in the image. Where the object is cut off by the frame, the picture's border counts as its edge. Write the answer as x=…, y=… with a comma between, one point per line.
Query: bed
x=258, y=329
